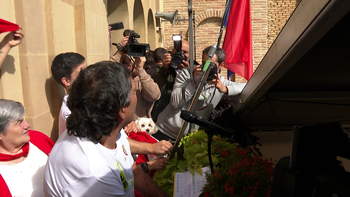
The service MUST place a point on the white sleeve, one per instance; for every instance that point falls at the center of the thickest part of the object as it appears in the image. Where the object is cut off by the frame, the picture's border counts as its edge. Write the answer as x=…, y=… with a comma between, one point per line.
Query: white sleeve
x=233, y=88
x=183, y=89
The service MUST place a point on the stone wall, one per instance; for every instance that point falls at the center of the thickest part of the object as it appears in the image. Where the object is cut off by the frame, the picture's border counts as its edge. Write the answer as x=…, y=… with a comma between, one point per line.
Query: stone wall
x=56, y=26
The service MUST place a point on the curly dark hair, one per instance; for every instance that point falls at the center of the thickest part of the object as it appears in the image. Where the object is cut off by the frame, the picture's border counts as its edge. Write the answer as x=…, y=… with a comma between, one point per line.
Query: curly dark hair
x=96, y=97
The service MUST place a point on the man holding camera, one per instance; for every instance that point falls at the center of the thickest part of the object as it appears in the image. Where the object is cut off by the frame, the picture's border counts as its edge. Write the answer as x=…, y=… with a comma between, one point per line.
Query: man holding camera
x=166, y=72
x=169, y=121
x=180, y=57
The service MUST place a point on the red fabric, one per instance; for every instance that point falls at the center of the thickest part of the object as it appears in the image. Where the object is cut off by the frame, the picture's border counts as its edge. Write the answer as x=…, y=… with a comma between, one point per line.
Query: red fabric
x=5, y=191
x=7, y=157
x=41, y=141
x=238, y=39
x=6, y=26
x=142, y=137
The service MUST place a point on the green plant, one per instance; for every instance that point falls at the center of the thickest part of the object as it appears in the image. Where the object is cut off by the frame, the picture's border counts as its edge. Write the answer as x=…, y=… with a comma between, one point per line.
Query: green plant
x=236, y=170
x=195, y=157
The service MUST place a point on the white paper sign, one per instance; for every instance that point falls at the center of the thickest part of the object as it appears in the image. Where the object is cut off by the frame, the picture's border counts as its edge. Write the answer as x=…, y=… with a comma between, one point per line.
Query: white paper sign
x=188, y=185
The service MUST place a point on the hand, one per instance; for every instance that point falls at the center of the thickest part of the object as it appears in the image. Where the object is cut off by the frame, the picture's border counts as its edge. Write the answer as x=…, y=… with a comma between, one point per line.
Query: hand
x=109, y=29
x=197, y=75
x=13, y=38
x=131, y=127
x=218, y=84
x=166, y=60
x=124, y=41
x=162, y=147
x=140, y=62
x=158, y=164
x=184, y=64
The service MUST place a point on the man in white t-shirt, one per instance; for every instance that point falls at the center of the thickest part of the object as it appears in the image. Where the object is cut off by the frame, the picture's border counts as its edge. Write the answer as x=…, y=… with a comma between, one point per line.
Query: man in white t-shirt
x=65, y=69
x=93, y=157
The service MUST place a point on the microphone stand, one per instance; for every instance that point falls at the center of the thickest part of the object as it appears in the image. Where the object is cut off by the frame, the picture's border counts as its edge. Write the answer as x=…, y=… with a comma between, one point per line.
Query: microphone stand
x=210, y=130
x=207, y=70
x=192, y=107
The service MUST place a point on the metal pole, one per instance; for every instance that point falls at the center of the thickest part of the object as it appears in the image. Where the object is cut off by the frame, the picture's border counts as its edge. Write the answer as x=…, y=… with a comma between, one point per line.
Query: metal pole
x=227, y=6
x=191, y=34
x=194, y=34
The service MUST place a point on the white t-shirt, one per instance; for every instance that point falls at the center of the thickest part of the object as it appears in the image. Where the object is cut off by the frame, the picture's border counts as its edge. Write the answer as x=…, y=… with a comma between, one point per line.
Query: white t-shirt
x=63, y=115
x=26, y=178
x=79, y=167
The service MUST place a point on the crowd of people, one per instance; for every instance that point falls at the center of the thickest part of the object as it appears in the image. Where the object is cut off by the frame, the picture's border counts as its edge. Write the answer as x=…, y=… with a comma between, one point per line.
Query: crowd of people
x=99, y=151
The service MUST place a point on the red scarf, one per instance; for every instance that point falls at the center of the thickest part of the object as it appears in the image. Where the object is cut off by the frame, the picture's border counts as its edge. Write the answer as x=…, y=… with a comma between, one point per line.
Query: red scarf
x=7, y=157
x=7, y=26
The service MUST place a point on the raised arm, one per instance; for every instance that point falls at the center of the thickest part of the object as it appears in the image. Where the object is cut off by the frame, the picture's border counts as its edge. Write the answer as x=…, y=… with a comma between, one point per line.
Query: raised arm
x=184, y=88
x=12, y=39
x=150, y=90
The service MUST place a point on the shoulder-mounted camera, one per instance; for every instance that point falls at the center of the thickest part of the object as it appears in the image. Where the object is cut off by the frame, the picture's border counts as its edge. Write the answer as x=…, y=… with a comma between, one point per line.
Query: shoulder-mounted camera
x=133, y=47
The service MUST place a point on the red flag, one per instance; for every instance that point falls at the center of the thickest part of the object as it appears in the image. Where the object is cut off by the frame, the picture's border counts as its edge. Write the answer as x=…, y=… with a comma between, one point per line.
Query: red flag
x=238, y=39
x=6, y=26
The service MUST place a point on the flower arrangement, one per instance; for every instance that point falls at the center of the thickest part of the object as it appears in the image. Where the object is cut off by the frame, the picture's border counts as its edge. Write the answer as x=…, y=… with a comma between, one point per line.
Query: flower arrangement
x=237, y=171
x=242, y=174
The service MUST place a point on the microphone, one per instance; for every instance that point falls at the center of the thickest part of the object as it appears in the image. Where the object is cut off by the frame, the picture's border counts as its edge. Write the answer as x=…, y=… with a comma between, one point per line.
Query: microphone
x=210, y=55
x=193, y=118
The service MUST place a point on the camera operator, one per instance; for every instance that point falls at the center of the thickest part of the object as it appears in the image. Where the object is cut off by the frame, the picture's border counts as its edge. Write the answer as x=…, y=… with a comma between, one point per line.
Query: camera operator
x=169, y=121
x=166, y=73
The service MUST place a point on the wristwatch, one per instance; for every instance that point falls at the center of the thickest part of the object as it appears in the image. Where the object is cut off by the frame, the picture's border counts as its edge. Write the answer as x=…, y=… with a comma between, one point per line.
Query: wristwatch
x=144, y=167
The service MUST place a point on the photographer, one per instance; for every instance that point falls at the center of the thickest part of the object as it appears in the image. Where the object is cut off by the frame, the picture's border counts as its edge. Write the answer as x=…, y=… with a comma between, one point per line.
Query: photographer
x=147, y=91
x=184, y=49
x=169, y=121
x=167, y=71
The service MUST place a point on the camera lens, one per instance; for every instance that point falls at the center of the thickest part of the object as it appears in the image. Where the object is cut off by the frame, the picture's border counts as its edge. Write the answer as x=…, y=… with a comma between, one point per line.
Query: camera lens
x=176, y=60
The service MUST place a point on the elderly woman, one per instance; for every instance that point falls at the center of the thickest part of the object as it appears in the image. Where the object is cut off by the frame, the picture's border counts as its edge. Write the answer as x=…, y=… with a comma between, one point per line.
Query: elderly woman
x=23, y=153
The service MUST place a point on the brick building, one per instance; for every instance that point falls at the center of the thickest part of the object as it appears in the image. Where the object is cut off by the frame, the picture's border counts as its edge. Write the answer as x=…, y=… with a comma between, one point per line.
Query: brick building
x=268, y=18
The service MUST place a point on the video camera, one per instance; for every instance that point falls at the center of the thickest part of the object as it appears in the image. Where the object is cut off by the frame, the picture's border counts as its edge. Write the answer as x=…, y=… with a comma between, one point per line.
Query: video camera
x=213, y=71
x=176, y=59
x=133, y=47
